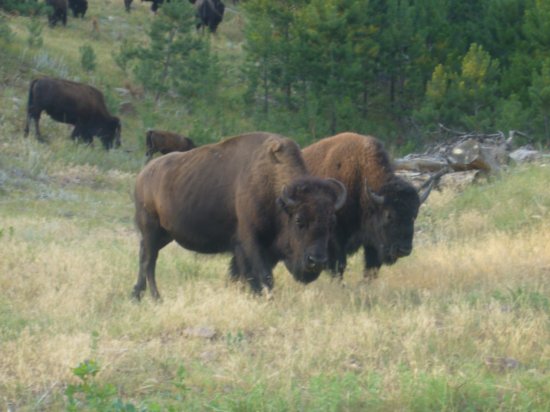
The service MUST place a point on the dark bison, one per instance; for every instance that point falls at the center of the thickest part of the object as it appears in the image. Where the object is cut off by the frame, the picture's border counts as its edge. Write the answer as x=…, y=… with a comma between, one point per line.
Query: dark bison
x=74, y=103
x=156, y=4
x=127, y=4
x=57, y=12
x=166, y=142
x=381, y=207
x=249, y=195
x=209, y=13
x=79, y=7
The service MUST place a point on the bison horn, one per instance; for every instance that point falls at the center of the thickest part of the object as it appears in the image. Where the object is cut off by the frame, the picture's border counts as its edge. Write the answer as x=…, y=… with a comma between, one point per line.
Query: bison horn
x=428, y=185
x=342, y=193
x=286, y=199
x=378, y=199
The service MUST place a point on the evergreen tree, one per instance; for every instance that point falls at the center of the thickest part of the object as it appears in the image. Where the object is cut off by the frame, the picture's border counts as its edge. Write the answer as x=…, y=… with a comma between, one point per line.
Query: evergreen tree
x=176, y=59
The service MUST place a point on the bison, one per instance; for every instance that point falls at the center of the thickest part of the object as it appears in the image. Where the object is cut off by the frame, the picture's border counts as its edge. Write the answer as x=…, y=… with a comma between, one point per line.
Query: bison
x=209, y=13
x=127, y=4
x=79, y=7
x=74, y=103
x=57, y=12
x=249, y=195
x=156, y=4
x=381, y=207
x=166, y=142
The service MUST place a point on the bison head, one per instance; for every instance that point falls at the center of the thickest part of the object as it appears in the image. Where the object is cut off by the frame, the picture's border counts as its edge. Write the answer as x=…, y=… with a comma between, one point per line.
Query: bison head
x=388, y=222
x=110, y=133
x=309, y=206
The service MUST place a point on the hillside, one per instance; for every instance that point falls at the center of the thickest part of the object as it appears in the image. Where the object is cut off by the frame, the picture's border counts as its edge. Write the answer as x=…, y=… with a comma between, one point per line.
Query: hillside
x=461, y=324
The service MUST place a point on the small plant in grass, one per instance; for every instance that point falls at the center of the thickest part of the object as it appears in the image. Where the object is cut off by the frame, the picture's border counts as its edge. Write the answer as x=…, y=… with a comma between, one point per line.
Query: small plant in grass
x=90, y=395
x=87, y=58
x=35, y=26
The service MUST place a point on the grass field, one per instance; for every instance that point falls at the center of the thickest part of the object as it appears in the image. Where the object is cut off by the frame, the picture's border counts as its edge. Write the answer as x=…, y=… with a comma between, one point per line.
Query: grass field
x=463, y=324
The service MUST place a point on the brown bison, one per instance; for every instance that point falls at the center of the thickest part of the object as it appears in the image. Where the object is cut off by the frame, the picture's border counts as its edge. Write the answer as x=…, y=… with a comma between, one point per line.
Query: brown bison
x=57, y=12
x=74, y=103
x=79, y=7
x=381, y=207
x=127, y=5
x=166, y=142
x=249, y=195
x=156, y=4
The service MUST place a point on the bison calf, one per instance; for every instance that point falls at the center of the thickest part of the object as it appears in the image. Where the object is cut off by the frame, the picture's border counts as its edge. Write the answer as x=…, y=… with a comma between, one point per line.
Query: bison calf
x=249, y=195
x=381, y=207
x=74, y=103
x=166, y=142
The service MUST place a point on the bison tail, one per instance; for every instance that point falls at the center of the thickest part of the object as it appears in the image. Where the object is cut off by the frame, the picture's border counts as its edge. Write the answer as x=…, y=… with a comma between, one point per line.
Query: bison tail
x=149, y=139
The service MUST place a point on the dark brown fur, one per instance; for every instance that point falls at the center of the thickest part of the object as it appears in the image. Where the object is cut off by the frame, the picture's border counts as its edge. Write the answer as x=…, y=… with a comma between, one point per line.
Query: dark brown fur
x=249, y=195
x=384, y=230
x=166, y=142
x=74, y=103
x=57, y=12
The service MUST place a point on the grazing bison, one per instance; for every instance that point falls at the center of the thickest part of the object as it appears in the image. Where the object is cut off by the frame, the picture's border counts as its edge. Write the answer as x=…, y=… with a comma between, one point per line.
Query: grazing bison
x=74, y=103
x=57, y=12
x=79, y=7
x=127, y=4
x=381, y=207
x=249, y=195
x=209, y=13
x=166, y=142
x=156, y=4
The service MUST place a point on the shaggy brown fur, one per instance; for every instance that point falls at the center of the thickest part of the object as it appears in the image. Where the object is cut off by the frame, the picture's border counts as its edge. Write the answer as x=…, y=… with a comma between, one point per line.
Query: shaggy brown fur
x=166, y=142
x=380, y=209
x=249, y=195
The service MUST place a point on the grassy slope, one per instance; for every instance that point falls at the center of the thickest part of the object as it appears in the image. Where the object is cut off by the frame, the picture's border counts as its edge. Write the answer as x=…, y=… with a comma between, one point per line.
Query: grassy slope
x=462, y=324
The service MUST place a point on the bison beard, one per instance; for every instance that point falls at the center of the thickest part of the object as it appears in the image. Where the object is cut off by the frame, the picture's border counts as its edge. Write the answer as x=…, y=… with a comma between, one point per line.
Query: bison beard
x=380, y=209
x=74, y=103
x=249, y=195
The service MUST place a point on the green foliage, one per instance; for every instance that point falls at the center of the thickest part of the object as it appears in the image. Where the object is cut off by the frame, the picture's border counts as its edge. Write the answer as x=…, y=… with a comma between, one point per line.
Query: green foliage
x=92, y=396
x=35, y=26
x=87, y=57
x=25, y=7
x=5, y=32
x=176, y=60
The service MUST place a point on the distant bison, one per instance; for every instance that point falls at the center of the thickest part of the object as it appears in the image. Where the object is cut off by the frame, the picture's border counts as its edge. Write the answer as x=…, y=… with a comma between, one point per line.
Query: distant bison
x=209, y=13
x=156, y=4
x=57, y=12
x=127, y=4
x=79, y=7
x=166, y=142
x=74, y=103
x=381, y=207
x=248, y=195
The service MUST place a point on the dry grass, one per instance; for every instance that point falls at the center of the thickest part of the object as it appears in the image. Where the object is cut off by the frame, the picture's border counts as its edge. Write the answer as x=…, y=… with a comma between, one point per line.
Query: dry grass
x=437, y=312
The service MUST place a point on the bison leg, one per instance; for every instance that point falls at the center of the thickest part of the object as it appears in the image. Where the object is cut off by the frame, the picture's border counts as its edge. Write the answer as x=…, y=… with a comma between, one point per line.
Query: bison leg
x=372, y=263
x=154, y=238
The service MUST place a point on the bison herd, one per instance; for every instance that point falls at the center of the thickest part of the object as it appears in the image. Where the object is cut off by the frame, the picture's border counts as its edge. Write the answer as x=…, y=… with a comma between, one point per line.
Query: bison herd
x=209, y=13
x=256, y=196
